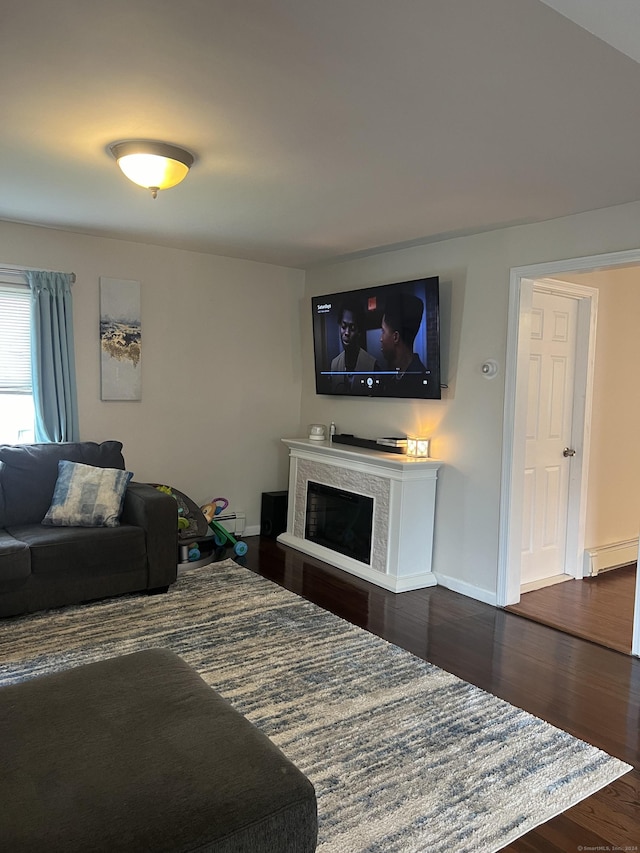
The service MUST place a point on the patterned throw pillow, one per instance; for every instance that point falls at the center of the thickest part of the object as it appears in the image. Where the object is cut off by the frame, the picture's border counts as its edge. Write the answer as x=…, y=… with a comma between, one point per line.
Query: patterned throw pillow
x=86, y=496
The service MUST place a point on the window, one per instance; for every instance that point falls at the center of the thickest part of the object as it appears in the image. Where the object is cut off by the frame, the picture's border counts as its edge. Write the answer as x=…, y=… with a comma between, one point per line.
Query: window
x=16, y=397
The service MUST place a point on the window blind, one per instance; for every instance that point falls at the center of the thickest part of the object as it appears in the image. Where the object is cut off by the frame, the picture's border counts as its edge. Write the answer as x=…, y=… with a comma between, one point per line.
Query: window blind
x=15, y=339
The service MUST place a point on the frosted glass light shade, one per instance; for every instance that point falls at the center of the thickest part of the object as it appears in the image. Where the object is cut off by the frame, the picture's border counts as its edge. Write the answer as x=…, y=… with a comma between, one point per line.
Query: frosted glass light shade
x=152, y=165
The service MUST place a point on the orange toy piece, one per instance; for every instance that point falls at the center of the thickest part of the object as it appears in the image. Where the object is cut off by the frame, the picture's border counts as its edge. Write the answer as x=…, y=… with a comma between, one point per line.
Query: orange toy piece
x=213, y=508
x=221, y=534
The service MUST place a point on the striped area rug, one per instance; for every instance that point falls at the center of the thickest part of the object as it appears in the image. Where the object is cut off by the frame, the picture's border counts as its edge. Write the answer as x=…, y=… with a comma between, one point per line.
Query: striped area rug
x=404, y=756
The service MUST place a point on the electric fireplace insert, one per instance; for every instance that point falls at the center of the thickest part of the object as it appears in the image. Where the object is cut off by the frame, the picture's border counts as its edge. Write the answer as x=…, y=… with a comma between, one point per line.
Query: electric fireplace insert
x=339, y=520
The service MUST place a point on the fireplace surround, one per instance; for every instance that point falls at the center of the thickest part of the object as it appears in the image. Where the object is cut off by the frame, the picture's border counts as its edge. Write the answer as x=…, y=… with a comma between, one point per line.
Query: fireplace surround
x=400, y=492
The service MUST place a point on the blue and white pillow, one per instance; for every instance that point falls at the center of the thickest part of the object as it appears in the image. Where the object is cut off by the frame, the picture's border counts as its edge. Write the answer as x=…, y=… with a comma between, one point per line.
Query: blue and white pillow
x=86, y=496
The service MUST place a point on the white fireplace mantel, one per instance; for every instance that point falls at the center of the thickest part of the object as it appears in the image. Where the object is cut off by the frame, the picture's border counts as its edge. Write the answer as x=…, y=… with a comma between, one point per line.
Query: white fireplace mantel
x=403, y=492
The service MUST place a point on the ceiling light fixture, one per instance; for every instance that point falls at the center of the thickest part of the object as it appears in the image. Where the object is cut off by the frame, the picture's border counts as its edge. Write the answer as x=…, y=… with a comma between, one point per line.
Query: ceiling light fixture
x=152, y=165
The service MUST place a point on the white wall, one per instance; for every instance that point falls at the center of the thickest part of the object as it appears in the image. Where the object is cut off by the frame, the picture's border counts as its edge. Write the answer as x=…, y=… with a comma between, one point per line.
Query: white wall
x=220, y=361
x=613, y=508
x=466, y=425
x=613, y=497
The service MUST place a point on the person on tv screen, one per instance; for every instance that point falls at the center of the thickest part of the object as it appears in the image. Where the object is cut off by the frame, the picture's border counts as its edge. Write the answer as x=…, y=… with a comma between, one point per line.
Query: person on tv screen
x=400, y=323
x=347, y=367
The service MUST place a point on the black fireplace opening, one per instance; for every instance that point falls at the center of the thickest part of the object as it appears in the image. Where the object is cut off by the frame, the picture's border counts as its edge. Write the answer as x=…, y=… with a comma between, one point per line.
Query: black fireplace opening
x=339, y=520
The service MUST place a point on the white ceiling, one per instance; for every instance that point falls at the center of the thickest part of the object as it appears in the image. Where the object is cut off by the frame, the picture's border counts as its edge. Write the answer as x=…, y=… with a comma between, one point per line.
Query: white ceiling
x=322, y=128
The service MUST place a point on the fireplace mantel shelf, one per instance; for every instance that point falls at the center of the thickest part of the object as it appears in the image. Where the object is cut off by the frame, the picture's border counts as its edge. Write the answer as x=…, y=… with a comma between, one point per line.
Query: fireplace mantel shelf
x=403, y=490
x=379, y=458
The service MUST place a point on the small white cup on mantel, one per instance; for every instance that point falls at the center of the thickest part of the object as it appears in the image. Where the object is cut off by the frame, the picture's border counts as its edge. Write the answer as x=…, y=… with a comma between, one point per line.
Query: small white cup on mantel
x=317, y=432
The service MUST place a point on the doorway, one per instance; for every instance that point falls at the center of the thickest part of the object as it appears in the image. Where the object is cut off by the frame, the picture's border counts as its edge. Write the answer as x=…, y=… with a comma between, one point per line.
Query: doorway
x=523, y=280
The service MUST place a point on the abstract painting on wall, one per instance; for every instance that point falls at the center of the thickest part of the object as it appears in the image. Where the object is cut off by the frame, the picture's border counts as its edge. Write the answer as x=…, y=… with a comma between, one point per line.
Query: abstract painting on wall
x=120, y=339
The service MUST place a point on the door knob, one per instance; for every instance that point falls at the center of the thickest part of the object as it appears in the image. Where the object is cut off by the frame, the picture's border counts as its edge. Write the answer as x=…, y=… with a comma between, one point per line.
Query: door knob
x=568, y=451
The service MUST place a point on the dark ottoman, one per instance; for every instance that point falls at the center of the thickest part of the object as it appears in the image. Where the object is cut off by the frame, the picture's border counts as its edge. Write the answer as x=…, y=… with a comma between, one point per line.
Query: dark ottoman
x=137, y=753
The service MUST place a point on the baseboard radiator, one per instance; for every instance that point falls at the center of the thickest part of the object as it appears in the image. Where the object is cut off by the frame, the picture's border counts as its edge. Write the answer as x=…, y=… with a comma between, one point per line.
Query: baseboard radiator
x=608, y=557
x=233, y=522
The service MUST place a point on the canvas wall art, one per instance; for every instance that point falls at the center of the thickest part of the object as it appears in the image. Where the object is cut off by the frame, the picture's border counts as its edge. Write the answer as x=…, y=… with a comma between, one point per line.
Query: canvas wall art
x=120, y=339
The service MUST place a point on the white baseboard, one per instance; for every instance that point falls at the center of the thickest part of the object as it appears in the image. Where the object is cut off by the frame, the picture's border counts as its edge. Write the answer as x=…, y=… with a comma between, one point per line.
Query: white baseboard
x=544, y=582
x=252, y=530
x=610, y=557
x=467, y=589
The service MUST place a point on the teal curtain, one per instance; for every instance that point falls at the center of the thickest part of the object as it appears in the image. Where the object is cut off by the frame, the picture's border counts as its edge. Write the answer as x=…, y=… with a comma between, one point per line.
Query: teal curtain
x=53, y=368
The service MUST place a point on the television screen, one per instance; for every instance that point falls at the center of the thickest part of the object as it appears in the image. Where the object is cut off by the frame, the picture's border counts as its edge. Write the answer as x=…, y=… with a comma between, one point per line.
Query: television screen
x=381, y=341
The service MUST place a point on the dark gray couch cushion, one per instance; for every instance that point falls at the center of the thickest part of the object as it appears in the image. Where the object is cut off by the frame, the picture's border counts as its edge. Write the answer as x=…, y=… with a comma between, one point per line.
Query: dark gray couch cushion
x=82, y=550
x=28, y=474
x=15, y=562
x=138, y=753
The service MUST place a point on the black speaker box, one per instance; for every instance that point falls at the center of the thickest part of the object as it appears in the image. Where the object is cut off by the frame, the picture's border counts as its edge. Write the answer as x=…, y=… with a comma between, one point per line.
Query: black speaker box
x=273, y=516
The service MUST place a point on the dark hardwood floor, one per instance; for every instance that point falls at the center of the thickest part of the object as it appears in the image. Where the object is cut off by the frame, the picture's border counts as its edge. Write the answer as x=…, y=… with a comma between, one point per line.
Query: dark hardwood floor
x=599, y=609
x=585, y=689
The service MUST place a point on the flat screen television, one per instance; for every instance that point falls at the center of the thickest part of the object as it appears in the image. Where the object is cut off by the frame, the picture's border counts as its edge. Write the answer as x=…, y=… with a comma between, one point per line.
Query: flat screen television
x=381, y=341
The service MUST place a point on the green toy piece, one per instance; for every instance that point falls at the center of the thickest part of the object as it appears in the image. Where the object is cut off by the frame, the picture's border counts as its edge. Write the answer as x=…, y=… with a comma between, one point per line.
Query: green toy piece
x=222, y=537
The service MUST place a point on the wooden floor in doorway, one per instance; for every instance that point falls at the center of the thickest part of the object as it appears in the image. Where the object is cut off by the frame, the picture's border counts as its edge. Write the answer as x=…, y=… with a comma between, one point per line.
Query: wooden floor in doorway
x=598, y=609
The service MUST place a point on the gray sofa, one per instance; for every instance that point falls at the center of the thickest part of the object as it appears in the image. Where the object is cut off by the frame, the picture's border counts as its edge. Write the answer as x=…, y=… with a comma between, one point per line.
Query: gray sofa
x=45, y=566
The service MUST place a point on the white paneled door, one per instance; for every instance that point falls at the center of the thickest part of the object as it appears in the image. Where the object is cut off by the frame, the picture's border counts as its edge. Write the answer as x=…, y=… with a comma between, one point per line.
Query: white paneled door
x=548, y=455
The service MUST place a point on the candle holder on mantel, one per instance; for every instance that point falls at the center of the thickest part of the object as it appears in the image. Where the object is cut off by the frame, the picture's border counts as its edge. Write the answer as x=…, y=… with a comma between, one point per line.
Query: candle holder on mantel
x=418, y=447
